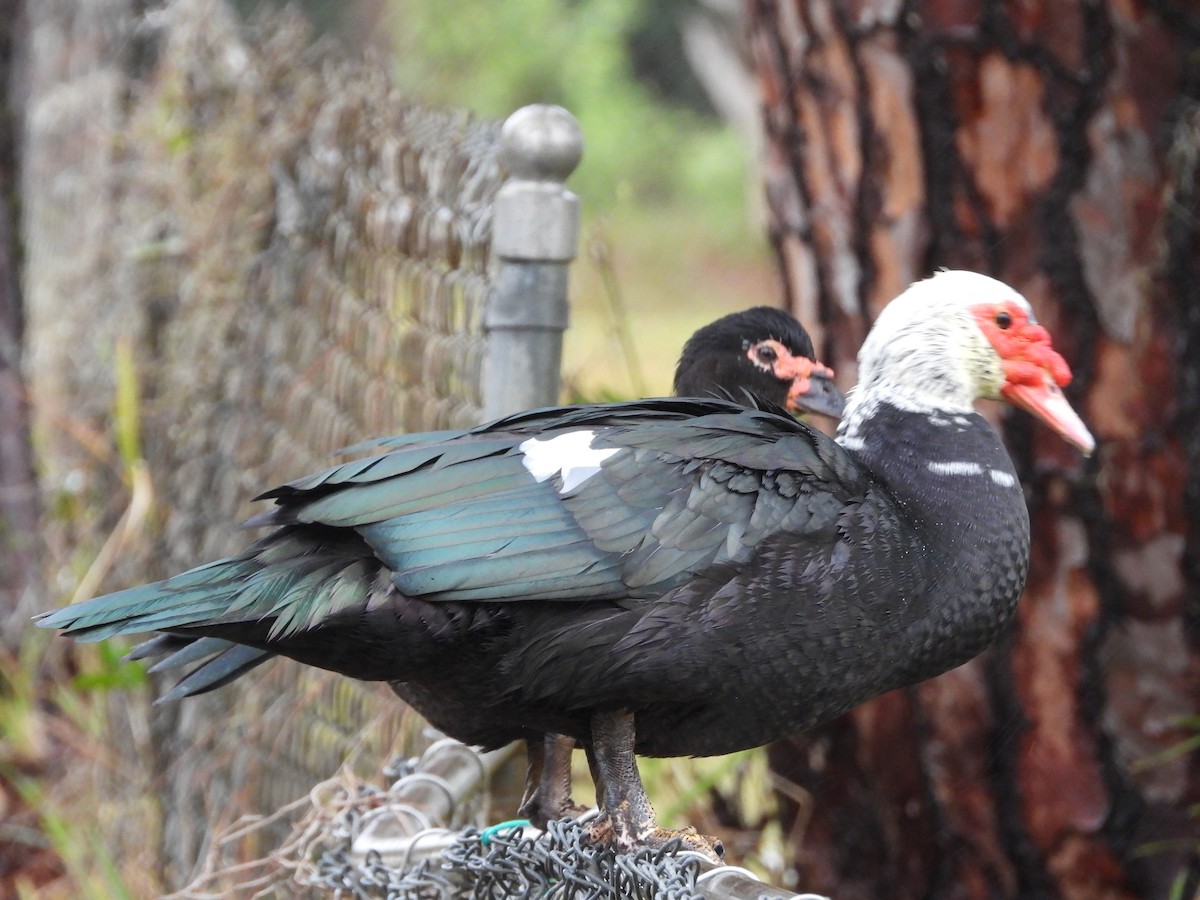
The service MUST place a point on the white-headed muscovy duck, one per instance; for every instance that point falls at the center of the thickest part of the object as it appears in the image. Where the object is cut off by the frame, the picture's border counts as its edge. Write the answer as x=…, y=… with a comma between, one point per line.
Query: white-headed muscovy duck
x=664, y=577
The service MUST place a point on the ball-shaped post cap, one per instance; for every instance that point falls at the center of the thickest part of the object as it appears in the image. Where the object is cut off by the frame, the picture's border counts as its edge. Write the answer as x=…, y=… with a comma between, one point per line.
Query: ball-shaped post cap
x=541, y=142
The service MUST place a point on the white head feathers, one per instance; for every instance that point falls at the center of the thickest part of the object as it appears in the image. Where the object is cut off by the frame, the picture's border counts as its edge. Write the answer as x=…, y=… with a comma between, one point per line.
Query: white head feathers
x=926, y=352
x=927, y=349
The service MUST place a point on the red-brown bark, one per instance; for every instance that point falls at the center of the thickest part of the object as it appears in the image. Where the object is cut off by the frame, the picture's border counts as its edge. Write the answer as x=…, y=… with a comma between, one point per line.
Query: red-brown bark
x=1053, y=145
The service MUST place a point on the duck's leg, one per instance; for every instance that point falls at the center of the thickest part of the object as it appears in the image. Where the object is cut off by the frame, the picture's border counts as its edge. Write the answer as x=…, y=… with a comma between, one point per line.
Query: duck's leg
x=535, y=765
x=548, y=780
x=626, y=816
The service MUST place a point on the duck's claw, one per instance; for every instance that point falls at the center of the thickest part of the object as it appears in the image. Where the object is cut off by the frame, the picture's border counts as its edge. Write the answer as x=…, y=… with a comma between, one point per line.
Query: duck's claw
x=540, y=813
x=689, y=839
x=604, y=830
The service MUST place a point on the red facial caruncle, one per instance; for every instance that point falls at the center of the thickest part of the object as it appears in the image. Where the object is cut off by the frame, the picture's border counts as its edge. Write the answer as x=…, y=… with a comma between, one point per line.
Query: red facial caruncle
x=1023, y=345
x=1034, y=372
x=772, y=356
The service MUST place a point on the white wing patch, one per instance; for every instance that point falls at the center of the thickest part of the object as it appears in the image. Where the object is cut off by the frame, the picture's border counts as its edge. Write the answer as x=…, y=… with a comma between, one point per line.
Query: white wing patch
x=571, y=455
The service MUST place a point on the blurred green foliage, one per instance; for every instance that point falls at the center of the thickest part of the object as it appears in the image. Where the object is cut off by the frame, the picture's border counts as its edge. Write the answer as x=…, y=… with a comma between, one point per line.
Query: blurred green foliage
x=641, y=144
x=110, y=671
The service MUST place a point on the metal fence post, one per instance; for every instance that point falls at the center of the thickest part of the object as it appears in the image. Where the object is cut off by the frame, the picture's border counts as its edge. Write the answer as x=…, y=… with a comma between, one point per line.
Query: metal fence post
x=534, y=234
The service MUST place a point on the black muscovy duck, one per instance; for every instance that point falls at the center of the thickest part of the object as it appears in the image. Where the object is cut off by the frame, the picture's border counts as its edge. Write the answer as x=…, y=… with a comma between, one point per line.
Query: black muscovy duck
x=664, y=577
x=761, y=352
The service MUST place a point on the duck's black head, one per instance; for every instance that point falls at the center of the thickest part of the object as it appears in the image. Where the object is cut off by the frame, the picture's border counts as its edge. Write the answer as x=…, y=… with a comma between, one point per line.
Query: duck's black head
x=762, y=351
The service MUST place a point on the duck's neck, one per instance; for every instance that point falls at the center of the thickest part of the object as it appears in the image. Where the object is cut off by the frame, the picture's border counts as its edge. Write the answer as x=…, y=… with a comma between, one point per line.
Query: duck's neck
x=951, y=476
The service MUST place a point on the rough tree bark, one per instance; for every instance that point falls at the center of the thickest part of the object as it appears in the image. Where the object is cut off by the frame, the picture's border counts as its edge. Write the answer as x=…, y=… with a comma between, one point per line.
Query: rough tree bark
x=1053, y=145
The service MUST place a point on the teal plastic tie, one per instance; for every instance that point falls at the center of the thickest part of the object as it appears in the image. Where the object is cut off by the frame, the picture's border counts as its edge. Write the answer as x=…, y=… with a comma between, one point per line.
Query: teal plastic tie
x=485, y=836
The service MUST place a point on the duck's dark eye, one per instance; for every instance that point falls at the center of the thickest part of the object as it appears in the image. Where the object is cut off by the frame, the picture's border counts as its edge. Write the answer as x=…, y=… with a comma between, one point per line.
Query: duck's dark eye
x=1003, y=319
x=766, y=353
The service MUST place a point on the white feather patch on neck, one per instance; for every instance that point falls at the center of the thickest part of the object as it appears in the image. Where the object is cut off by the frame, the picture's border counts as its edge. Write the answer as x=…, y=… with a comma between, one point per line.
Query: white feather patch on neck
x=963, y=467
x=954, y=468
x=1004, y=479
x=571, y=455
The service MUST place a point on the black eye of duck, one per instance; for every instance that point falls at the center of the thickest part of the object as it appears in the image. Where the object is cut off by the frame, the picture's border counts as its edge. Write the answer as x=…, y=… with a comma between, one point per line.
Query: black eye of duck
x=1003, y=319
x=766, y=353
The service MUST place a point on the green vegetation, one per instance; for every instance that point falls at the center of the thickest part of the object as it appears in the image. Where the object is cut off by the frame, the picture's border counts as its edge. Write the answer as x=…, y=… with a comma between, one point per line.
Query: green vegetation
x=56, y=757
x=493, y=58
x=60, y=749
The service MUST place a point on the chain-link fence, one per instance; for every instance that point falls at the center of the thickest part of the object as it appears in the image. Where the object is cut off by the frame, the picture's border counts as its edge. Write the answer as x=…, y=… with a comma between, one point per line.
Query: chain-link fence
x=292, y=258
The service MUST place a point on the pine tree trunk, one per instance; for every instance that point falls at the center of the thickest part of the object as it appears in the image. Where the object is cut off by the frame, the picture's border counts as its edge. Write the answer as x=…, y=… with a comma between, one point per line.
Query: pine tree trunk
x=1054, y=145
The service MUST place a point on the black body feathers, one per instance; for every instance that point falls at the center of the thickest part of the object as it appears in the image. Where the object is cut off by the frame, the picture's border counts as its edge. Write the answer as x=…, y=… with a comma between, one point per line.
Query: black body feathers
x=728, y=574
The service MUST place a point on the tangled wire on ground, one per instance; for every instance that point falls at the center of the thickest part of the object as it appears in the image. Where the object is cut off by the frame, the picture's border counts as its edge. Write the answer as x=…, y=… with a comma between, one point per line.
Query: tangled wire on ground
x=438, y=863
x=417, y=840
x=518, y=862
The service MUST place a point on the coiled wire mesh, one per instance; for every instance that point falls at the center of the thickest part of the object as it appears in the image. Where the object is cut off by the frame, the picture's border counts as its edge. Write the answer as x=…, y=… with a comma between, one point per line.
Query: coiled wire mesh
x=419, y=839
x=520, y=862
